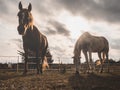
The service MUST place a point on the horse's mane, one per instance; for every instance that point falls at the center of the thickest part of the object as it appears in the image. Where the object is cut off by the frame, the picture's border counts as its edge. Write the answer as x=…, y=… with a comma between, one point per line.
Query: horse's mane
x=30, y=21
x=81, y=38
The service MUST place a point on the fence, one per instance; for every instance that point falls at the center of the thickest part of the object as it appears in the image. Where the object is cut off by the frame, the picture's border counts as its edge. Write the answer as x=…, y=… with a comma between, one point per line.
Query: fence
x=9, y=59
x=13, y=63
x=7, y=62
x=54, y=67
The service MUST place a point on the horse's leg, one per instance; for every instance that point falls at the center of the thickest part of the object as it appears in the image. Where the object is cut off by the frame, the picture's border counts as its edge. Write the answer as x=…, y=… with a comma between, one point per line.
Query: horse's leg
x=25, y=65
x=86, y=57
x=99, y=55
x=43, y=54
x=104, y=56
x=38, y=65
x=41, y=68
x=77, y=64
x=91, y=62
x=107, y=61
x=38, y=62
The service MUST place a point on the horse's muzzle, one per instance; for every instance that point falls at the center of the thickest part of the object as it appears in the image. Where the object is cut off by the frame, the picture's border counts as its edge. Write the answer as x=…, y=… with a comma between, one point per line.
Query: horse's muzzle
x=21, y=29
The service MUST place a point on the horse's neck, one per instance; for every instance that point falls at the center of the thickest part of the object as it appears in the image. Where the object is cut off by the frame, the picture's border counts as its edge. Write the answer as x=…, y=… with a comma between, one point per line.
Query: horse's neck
x=32, y=34
x=28, y=34
x=77, y=52
x=31, y=31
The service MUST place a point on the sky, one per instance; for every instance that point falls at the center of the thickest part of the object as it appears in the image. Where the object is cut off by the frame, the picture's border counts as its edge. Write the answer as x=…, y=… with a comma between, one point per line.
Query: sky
x=62, y=21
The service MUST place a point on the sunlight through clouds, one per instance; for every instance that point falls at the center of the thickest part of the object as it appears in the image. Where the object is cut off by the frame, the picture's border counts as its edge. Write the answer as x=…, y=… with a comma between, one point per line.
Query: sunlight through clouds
x=76, y=24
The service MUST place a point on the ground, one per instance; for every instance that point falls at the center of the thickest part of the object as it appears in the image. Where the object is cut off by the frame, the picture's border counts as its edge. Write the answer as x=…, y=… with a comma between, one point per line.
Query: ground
x=54, y=80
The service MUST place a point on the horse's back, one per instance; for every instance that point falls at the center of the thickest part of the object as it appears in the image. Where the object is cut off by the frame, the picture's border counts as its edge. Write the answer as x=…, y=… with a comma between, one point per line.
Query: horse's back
x=93, y=43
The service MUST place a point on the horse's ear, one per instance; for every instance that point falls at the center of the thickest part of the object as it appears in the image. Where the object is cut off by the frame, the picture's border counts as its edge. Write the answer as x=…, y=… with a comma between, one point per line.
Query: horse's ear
x=29, y=7
x=20, y=5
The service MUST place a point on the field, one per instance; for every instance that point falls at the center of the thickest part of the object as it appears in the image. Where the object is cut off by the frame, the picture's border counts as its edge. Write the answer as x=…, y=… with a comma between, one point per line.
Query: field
x=54, y=80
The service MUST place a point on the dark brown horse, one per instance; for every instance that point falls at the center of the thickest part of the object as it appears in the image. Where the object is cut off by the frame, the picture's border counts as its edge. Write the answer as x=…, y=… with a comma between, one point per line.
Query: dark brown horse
x=33, y=39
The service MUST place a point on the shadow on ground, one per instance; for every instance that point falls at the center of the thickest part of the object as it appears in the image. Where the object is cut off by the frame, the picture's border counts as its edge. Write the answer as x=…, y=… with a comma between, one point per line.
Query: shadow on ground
x=94, y=82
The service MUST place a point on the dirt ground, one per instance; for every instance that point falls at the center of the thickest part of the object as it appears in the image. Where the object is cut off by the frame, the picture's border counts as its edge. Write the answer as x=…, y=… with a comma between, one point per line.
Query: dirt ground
x=54, y=80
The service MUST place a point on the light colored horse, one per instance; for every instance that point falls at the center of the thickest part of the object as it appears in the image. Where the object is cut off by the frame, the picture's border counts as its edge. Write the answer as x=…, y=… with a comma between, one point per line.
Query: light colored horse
x=88, y=44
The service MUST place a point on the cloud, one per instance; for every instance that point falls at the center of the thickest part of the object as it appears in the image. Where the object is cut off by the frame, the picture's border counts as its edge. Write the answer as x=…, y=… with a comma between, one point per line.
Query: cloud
x=8, y=12
x=3, y=6
x=115, y=44
x=105, y=10
x=50, y=31
x=59, y=28
x=42, y=6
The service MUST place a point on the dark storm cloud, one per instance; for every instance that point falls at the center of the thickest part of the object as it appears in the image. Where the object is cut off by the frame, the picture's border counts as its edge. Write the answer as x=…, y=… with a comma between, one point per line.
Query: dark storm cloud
x=9, y=8
x=59, y=28
x=106, y=10
x=50, y=31
x=8, y=11
x=42, y=6
x=3, y=7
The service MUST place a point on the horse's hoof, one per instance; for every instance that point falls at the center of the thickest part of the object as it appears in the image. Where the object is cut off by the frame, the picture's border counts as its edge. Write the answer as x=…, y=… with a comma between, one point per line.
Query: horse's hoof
x=101, y=71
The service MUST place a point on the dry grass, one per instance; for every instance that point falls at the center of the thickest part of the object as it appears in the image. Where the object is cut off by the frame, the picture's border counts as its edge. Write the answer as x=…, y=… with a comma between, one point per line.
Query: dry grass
x=53, y=80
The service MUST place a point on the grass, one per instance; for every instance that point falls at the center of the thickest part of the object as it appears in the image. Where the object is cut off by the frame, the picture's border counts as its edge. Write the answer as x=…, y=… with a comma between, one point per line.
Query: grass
x=53, y=80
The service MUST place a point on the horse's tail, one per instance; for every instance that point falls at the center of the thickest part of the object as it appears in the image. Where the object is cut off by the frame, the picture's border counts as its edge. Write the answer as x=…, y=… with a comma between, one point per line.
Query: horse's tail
x=106, y=43
x=46, y=46
x=103, y=60
x=106, y=48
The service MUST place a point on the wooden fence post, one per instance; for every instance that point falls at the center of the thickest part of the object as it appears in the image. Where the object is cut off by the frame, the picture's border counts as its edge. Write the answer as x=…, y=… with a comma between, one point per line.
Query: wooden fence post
x=18, y=64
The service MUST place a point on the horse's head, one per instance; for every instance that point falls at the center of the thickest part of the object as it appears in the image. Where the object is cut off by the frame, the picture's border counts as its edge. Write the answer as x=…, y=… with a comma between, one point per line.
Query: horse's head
x=25, y=19
x=76, y=59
